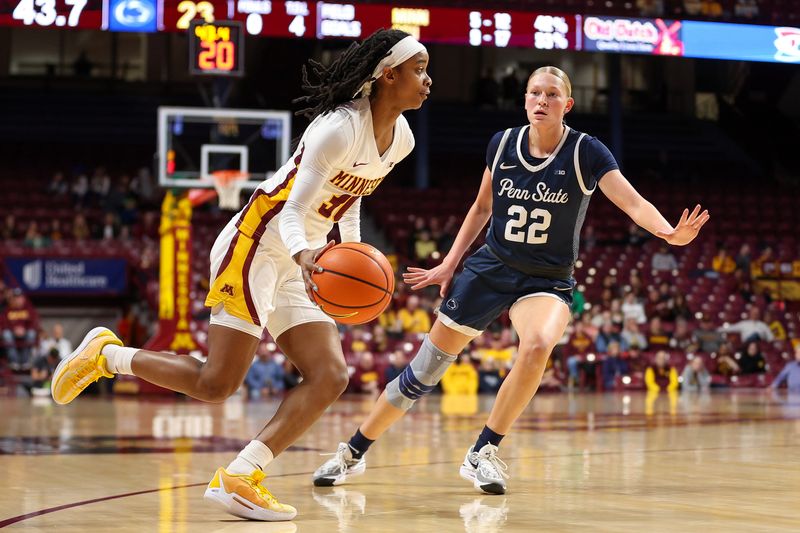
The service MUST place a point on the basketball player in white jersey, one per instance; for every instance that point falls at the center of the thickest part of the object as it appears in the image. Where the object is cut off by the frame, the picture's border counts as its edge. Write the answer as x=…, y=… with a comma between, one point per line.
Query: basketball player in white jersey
x=536, y=187
x=261, y=263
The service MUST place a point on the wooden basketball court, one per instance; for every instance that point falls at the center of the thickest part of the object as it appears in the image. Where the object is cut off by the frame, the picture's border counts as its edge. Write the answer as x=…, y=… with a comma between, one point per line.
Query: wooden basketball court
x=720, y=462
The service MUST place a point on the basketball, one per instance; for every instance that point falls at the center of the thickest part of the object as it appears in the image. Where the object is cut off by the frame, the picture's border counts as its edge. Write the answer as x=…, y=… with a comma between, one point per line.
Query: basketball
x=356, y=283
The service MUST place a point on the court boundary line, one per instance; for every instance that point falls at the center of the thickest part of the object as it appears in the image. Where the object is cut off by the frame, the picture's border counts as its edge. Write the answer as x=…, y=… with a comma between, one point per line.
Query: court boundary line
x=20, y=518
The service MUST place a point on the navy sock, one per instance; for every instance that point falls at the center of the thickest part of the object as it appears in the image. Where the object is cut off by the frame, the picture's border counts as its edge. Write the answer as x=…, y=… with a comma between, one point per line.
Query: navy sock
x=359, y=444
x=487, y=436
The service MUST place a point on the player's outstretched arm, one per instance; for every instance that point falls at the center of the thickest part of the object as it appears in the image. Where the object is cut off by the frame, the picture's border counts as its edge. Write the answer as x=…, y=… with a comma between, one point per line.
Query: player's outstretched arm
x=619, y=190
x=474, y=222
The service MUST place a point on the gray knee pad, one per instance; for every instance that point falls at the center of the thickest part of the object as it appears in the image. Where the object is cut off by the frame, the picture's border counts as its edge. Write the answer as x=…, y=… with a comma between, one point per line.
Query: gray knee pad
x=420, y=377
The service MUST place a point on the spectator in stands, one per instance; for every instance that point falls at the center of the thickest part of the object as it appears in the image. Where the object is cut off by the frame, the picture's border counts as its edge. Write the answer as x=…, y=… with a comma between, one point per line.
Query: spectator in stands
x=614, y=366
x=449, y=232
x=100, y=185
x=752, y=361
x=650, y=8
x=692, y=8
x=580, y=342
x=790, y=374
x=711, y=8
x=20, y=324
x=654, y=306
x=636, y=284
x=660, y=376
x=34, y=238
x=722, y=262
x=764, y=265
x=487, y=92
x=498, y=349
x=42, y=372
x=743, y=284
x=617, y=317
x=606, y=336
x=775, y=326
x=424, y=246
x=80, y=228
x=80, y=191
x=391, y=322
x=750, y=329
x=366, y=379
x=678, y=308
x=10, y=231
x=663, y=260
x=460, y=378
x=746, y=9
x=58, y=186
x=110, y=228
x=631, y=336
x=695, y=377
x=380, y=342
x=743, y=259
x=637, y=236
x=512, y=90
x=57, y=341
x=82, y=66
x=413, y=318
x=397, y=362
x=56, y=234
x=726, y=361
x=682, y=337
x=656, y=336
x=633, y=309
x=265, y=377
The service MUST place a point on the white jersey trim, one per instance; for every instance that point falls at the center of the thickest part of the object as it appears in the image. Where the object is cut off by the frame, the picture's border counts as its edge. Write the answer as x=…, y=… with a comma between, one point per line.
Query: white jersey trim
x=578, y=173
x=500, y=148
x=547, y=161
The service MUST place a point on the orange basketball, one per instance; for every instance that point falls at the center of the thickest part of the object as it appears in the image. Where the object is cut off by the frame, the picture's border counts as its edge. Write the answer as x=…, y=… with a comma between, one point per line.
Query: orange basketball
x=356, y=283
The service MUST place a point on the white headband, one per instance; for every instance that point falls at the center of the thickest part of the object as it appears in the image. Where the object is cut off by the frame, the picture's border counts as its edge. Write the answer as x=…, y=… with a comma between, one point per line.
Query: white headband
x=403, y=50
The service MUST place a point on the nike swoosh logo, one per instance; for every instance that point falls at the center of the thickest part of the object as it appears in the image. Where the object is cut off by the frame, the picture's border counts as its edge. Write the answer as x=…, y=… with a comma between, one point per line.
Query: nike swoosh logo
x=504, y=167
x=359, y=164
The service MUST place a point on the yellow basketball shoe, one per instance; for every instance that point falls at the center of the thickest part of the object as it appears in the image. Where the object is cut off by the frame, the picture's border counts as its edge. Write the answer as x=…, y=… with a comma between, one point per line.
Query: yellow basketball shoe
x=244, y=496
x=82, y=367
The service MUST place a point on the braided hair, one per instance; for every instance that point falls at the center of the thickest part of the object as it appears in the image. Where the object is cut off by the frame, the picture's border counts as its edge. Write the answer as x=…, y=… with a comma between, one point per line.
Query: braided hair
x=343, y=78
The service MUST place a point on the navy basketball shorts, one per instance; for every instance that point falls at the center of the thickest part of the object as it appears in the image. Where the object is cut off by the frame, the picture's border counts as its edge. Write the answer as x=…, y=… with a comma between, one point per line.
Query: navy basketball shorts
x=487, y=287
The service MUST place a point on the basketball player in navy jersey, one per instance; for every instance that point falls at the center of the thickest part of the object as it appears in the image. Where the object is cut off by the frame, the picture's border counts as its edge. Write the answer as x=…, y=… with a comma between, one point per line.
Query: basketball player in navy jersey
x=536, y=187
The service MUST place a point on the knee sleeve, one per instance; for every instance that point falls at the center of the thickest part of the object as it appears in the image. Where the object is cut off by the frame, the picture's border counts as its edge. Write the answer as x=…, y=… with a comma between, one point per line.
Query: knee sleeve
x=420, y=377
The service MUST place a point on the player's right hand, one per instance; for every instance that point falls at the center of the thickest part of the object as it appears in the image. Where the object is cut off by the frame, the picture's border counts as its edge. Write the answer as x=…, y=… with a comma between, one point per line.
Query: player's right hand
x=307, y=259
x=440, y=275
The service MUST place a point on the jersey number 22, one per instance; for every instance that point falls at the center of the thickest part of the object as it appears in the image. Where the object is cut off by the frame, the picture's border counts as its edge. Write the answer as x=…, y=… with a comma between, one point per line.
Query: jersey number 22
x=540, y=219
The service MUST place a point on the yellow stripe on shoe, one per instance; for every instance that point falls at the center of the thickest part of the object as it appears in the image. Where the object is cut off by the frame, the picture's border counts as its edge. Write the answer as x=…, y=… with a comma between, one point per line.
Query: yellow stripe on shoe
x=82, y=367
x=244, y=496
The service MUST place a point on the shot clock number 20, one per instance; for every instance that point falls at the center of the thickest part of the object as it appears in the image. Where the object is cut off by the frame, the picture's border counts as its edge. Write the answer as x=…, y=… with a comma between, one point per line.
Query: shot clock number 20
x=216, y=48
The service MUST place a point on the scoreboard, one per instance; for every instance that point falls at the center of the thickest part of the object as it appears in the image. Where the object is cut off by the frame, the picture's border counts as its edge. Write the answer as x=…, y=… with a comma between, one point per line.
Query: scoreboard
x=303, y=19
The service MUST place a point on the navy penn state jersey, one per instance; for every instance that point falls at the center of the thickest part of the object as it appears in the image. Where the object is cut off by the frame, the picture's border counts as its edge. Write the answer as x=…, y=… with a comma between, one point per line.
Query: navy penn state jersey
x=539, y=205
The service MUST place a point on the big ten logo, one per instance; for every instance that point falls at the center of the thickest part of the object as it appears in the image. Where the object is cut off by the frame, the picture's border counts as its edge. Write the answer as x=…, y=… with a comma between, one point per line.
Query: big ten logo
x=172, y=426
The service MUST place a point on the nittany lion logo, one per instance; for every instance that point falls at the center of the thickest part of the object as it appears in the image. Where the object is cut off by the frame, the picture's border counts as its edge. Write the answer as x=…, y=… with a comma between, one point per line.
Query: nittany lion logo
x=227, y=289
x=452, y=304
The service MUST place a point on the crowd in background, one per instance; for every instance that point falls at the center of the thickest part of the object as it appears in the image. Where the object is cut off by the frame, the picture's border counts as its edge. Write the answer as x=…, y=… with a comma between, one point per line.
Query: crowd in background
x=626, y=336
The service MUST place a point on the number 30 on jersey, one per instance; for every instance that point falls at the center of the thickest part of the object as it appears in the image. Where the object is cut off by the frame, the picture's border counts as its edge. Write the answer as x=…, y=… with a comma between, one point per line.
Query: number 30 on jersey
x=540, y=221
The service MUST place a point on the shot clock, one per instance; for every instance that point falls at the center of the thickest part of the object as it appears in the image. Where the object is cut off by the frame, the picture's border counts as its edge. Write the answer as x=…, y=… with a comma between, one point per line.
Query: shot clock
x=216, y=48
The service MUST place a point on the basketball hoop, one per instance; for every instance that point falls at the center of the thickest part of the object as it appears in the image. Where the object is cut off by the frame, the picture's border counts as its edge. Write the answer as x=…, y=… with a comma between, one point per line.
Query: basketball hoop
x=228, y=184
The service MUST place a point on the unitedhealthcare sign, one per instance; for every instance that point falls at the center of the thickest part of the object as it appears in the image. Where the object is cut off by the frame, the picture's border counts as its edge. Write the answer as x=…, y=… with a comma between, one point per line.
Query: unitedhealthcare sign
x=70, y=276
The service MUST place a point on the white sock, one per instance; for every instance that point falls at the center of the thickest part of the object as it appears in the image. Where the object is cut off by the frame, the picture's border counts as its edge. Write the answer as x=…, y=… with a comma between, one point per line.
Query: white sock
x=254, y=456
x=119, y=358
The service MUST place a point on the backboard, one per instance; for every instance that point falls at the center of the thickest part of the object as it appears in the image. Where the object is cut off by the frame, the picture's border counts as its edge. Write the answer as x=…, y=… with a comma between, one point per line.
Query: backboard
x=194, y=142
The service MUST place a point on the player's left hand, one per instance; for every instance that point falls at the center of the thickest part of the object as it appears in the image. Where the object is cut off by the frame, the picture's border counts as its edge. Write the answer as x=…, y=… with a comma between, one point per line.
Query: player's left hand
x=687, y=229
x=440, y=275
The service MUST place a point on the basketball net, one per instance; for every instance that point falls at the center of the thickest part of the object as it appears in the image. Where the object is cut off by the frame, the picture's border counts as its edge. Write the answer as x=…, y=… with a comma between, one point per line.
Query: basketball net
x=228, y=184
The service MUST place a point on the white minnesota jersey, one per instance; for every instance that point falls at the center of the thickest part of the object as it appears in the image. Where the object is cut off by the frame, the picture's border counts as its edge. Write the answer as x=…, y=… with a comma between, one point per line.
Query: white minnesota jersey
x=335, y=164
